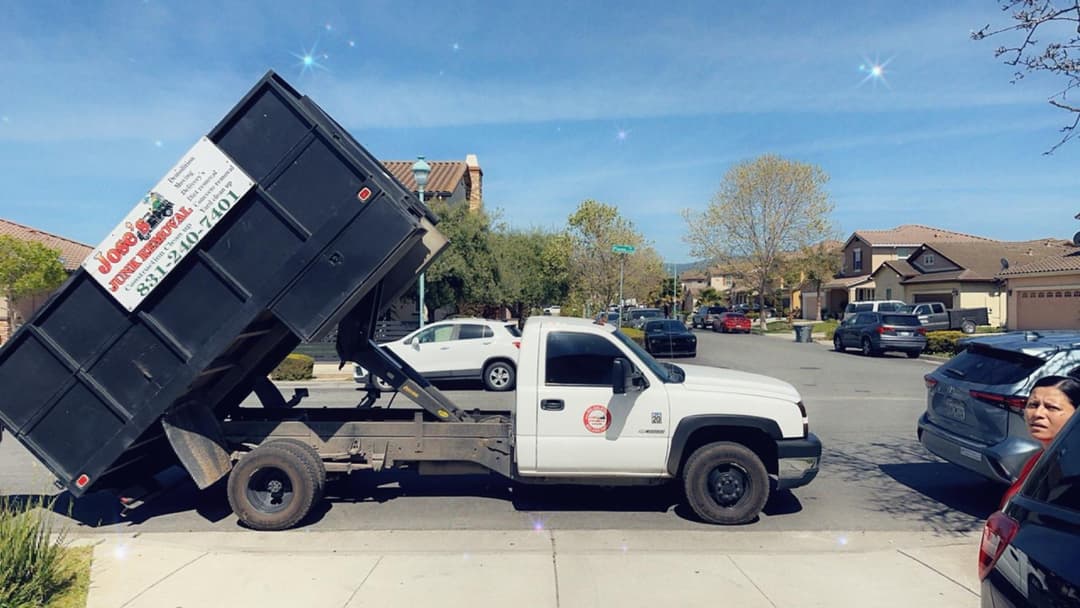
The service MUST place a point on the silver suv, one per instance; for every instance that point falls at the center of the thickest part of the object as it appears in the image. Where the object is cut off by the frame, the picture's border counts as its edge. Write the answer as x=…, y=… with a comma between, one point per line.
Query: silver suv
x=975, y=402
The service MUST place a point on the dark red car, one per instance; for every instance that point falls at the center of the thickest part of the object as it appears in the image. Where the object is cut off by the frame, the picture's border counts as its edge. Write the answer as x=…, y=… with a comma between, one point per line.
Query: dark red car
x=731, y=322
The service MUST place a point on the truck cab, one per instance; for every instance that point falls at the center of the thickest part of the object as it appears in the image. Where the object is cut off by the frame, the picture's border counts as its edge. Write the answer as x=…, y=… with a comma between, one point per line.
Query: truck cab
x=592, y=404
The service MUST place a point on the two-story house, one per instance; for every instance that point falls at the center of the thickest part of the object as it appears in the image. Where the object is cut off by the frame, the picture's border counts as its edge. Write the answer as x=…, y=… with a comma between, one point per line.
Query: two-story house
x=866, y=250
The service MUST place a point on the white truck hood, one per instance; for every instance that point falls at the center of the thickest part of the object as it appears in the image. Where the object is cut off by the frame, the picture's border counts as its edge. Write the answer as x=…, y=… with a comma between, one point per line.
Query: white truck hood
x=715, y=379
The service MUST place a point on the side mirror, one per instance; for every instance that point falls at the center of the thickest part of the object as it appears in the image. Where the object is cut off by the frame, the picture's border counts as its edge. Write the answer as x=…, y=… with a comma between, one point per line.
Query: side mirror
x=621, y=375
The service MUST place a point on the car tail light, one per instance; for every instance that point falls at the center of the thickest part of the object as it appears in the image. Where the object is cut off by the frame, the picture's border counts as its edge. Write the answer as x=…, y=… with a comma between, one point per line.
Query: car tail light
x=1007, y=401
x=998, y=532
x=930, y=381
x=922, y=331
x=886, y=330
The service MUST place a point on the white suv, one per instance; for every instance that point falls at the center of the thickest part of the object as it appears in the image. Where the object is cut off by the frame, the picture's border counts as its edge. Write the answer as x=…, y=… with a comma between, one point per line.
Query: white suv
x=461, y=349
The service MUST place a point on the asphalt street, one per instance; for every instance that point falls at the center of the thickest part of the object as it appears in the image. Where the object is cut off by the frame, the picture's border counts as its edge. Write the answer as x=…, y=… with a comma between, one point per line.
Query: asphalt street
x=875, y=476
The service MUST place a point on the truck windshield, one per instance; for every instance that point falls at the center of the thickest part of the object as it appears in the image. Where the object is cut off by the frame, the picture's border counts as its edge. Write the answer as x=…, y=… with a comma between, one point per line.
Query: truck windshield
x=663, y=372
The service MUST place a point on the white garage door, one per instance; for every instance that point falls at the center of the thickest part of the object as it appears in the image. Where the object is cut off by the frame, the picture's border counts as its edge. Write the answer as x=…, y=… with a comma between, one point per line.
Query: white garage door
x=1049, y=309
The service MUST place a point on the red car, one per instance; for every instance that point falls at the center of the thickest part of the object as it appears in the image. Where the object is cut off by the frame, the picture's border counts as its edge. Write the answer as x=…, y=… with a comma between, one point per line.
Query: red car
x=731, y=322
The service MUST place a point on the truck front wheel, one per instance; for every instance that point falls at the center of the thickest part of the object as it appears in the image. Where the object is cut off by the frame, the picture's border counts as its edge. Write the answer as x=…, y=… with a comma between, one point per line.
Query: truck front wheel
x=726, y=483
x=272, y=487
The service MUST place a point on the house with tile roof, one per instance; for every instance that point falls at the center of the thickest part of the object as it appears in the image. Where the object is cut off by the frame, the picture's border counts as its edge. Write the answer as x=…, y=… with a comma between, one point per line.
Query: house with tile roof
x=1043, y=293
x=72, y=253
x=450, y=180
x=866, y=250
x=960, y=274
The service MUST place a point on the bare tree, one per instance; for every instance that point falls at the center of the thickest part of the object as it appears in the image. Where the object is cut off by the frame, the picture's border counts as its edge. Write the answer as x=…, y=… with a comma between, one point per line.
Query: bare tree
x=763, y=208
x=1059, y=20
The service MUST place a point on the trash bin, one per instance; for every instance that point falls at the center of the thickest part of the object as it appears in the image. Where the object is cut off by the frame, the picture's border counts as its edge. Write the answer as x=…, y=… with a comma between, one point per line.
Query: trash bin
x=804, y=333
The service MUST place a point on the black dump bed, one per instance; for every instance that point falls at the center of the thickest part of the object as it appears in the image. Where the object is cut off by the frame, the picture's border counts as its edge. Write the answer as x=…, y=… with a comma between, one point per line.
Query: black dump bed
x=200, y=294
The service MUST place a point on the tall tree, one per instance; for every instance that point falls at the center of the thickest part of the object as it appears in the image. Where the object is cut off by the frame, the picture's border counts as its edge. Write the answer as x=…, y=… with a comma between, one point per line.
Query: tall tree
x=532, y=267
x=27, y=268
x=593, y=229
x=466, y=273
x=763, y=208
x=1048, y=41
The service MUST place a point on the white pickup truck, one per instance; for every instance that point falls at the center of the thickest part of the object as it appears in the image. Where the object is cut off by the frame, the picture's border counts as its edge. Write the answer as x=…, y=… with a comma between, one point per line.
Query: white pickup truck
x=591, y=407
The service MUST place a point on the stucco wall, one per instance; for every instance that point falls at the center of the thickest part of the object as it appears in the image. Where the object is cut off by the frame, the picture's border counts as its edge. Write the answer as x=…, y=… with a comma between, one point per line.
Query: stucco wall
x=886, y=280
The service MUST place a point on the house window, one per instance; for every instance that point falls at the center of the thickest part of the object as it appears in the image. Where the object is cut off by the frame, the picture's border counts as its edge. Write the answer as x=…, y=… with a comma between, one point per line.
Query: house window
x=903, y=252
x=928, y=259
x=888, y=293
x=856, y=257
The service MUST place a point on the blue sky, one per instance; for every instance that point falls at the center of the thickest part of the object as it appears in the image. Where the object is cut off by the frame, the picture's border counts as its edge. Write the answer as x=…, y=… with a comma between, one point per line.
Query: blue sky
x=637, y=104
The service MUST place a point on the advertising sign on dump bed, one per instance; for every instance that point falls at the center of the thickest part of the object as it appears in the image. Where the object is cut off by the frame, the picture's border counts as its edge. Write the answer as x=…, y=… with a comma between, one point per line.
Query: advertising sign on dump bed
x=167, y=223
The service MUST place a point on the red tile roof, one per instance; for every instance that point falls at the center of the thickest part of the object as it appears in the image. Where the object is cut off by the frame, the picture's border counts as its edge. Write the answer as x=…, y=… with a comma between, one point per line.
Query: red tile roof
x=913, y=235
x=444, y=178
x=72, y=253
x=1065, y=262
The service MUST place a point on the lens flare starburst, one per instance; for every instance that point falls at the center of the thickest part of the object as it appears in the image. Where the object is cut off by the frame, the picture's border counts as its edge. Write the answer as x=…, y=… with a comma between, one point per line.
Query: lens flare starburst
x=309, y=60
x=874, y=72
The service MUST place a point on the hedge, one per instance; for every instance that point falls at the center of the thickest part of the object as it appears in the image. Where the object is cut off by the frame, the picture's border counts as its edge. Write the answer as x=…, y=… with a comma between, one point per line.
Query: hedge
x=943, y=341
x=294, y=367
x=634, y=334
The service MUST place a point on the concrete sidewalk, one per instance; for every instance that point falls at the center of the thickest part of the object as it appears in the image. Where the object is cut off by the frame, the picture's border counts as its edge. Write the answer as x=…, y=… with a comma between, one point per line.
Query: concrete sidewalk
x=533, y=568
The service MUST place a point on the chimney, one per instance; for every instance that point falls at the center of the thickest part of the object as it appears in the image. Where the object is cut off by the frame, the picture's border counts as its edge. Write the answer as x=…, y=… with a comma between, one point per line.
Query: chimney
x=475, y=176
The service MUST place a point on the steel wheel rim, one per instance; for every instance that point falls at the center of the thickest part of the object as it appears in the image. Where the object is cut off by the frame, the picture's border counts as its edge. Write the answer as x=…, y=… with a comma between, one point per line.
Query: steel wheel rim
x=499, y=376
x=269, y=490
x=728, y=484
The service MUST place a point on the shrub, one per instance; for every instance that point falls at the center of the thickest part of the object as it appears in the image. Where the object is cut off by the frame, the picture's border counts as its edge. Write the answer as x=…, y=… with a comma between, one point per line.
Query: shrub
x=31, y=570
x=294, y=367
x=943, y=341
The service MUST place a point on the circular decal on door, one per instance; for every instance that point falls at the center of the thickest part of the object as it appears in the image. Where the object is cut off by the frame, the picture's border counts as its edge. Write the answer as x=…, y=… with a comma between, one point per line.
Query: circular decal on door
x=597, y=419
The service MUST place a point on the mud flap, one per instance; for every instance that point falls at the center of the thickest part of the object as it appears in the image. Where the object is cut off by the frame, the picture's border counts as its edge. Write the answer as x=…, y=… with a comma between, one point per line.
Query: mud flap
x=196, y=438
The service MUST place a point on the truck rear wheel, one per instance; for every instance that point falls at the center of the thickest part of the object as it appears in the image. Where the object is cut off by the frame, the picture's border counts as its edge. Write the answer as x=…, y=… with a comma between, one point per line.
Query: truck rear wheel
x=272, y=487
x=726, y=483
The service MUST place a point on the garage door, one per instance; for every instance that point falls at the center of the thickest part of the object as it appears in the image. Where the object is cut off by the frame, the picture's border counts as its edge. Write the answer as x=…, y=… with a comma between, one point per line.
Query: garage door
x=944, y=298
x=1050, y=309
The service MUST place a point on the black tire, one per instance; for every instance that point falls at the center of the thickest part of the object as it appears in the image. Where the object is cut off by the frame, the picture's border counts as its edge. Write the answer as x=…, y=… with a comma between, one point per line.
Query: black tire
x=967, y=326
x=311, y=458
x=913, y=354
x=725, y=483
x=272, y=488
x=838, y=344
x=499, y=376
x=868, y=348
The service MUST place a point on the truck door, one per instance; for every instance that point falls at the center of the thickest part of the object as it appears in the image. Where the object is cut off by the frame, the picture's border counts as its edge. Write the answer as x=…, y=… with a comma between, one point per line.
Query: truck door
x=583, y=428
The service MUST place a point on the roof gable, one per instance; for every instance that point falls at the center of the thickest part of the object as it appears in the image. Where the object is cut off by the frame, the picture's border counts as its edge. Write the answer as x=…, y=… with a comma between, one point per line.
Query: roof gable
x=72, y=253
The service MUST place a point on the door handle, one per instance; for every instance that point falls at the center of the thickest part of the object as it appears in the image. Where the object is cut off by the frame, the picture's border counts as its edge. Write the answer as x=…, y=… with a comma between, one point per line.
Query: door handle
x=552, y=405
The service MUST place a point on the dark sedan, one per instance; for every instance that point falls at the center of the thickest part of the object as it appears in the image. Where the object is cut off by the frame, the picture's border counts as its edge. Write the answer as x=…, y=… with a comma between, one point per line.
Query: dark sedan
x=1030, y=552
x=669, y=337
x=876, y=332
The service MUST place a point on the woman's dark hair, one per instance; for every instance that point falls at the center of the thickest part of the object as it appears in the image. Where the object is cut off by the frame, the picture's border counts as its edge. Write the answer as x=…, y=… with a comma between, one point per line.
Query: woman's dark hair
x=1066, y=384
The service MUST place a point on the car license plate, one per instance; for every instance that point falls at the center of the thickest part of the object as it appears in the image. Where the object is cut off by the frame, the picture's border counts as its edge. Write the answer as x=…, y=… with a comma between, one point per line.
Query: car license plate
x=954, y=410
x=904, y=333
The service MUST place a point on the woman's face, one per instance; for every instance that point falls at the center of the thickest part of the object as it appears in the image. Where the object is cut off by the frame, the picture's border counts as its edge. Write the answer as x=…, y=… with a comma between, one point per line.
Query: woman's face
x=1047, y=410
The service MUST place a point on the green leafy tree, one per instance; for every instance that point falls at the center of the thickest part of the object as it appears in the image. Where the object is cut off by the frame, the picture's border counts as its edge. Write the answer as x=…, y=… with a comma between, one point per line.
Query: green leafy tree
x=533, y=268
x=27, y=268
x=764, y=208
x=594, y=269
x=466, y=273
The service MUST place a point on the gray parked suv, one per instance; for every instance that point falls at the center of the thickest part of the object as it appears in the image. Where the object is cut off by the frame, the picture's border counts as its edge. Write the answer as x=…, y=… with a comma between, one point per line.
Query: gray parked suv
x=975, y=402
x=876, y=332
